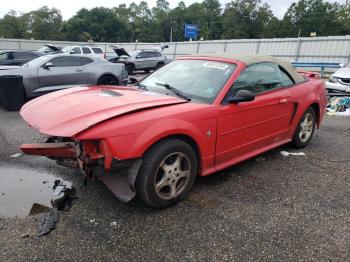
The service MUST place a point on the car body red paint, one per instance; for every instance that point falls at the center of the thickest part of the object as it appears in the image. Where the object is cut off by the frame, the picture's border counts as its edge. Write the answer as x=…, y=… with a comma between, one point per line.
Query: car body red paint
x=126, y=126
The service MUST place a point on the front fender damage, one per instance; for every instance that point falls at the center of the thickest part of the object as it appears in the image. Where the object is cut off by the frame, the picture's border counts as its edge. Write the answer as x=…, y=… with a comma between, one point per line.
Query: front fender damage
x=94, y=160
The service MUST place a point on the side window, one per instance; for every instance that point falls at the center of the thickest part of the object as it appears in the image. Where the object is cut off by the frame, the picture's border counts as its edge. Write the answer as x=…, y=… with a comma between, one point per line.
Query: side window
x=85, y=60
x=97, y=50
x=66, y=61
x=151, y=54
x=24, y=55
x=142, y=55
x=76, y=50
x=286, y=80
x=4, y=56
x=86, y=50
x=262, y=77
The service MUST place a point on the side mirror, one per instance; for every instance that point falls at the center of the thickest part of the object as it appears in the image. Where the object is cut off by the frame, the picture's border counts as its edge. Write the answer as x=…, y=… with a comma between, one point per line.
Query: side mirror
x=342, y=65
x=72, y=52
x=242, y=95
x=48, y=65
x=138, y=57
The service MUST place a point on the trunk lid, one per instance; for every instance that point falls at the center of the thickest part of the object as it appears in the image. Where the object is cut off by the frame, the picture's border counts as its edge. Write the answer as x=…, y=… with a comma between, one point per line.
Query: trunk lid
x=68, y=112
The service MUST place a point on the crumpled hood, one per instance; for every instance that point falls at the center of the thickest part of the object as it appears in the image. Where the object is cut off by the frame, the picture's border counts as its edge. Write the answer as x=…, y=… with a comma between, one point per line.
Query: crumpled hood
x=68, y=112
x=342, y=73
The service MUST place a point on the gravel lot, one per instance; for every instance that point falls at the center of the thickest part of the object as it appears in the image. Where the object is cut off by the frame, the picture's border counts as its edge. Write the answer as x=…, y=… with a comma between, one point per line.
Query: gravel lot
x=275, y=208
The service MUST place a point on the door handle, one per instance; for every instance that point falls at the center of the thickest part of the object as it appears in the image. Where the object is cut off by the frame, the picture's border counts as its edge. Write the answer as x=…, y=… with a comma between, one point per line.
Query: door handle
x=283, y=100
x=79, y=70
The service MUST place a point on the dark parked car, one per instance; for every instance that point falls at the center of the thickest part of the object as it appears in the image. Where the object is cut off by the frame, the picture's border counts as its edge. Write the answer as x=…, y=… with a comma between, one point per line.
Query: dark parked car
x=17, y=57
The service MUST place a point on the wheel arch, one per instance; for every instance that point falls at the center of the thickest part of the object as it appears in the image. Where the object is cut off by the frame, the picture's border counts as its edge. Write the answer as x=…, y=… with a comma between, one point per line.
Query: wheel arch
x=184, y=137
x=108, y=74
x=316, y=107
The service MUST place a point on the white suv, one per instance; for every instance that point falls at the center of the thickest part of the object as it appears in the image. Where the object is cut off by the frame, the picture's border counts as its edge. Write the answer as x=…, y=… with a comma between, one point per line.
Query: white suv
x=86, y=50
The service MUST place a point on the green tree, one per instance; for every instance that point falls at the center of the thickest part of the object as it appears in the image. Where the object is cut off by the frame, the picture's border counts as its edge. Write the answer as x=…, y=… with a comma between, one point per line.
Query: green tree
x=317, y=16
x=212, y=10
x=177, y=21
x=344, y=16
x=98, y=24
x=246, y=19
x=161, y=21
x=45, y=23
x=14, y=26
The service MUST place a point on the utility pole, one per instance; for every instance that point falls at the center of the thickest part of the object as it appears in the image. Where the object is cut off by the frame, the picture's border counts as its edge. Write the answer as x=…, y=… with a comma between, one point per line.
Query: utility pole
x=171, y=29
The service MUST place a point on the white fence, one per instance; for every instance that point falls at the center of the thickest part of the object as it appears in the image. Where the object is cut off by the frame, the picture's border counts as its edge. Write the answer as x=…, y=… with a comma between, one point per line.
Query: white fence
x=305, y=49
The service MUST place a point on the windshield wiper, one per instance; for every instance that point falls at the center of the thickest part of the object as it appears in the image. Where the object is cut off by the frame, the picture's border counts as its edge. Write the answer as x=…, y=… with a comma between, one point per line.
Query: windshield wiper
x=175, y=91
x=142, y=86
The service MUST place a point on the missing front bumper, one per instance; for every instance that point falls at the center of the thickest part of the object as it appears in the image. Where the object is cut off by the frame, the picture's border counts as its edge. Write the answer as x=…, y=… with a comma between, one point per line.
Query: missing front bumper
x=119, y=176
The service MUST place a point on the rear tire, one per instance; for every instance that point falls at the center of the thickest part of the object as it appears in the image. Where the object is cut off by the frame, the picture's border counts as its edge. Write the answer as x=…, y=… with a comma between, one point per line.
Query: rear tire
x=167, y=173
x=305, y=129
x=107, y=80
x=130, y=68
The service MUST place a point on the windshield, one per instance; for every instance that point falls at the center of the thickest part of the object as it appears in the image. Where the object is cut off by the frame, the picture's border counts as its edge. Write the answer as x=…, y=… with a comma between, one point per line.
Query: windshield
x=198, y=79
x=37, y=62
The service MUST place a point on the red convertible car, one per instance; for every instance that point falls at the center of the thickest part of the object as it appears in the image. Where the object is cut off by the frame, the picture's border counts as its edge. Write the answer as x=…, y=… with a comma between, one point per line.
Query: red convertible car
x=194, y=116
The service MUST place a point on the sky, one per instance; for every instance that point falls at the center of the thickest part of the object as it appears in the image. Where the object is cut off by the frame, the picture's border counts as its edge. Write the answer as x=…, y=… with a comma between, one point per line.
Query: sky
x=69, y=8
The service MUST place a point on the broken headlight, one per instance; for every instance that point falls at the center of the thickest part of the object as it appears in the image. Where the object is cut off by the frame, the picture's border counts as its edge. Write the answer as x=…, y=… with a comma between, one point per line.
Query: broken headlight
x=332, y=79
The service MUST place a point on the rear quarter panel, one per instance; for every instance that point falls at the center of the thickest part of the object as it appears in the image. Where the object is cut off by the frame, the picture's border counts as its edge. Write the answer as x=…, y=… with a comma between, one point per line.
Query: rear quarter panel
x=305, y=94
x=96, y=70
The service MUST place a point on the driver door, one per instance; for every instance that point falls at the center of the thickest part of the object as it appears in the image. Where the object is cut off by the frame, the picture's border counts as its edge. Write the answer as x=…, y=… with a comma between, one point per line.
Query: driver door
x=65, y=72
x=246, y=128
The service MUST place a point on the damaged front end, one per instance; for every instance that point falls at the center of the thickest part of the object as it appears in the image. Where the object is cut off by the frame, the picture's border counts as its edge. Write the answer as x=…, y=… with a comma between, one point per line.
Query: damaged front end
x=94, y=160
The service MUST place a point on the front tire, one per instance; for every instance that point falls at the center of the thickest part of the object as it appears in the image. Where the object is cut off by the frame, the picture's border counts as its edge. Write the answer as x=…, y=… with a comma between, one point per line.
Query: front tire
x=160, y=65
x=305, y=129
x=167, y=173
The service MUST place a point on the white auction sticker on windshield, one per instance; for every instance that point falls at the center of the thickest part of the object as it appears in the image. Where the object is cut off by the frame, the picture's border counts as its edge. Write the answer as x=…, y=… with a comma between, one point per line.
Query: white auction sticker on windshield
x=219, y=66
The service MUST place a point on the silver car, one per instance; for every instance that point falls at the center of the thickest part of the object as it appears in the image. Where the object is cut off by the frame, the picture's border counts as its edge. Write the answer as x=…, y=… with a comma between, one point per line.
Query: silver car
x=54, y=72
x=340, y=80
x=143, y=59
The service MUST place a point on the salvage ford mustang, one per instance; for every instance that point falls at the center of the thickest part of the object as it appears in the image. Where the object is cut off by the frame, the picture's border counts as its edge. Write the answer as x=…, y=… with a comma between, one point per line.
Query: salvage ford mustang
x=194, y=116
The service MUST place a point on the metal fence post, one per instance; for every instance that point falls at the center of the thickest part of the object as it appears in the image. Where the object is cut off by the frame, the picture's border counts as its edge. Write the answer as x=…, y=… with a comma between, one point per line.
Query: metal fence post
x=349, y=54
x=257, y=47
x=175, y=50
x=225, y=46
x=19, y=45
x=298, y=50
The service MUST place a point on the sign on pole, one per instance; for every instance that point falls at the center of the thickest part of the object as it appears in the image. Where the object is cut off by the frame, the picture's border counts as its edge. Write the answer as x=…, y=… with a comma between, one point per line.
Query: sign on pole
x=191, y=31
